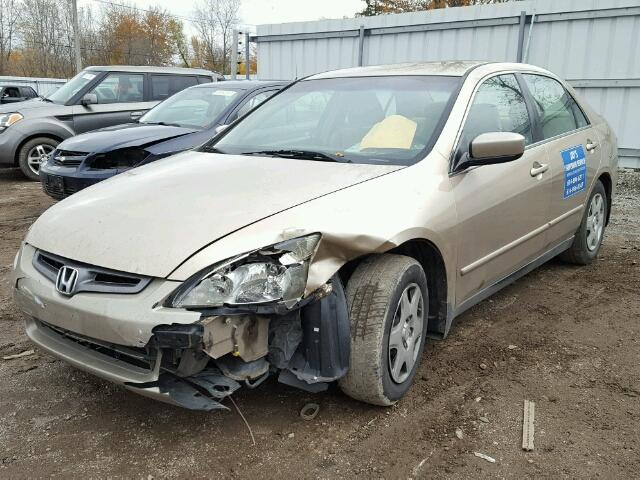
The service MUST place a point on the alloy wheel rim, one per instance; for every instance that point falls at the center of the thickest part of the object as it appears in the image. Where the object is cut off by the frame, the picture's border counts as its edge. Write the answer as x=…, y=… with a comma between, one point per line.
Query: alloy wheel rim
x=595, y=222
x=37, y=156
x=405, y=336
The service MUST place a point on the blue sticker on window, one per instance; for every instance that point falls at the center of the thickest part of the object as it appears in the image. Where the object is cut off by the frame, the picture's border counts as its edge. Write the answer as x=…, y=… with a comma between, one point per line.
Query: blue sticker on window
x=575, y=170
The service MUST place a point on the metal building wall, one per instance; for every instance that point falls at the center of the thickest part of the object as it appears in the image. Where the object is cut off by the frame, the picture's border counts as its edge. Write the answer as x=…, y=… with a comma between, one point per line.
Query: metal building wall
x=42, y=86
x=594, y=44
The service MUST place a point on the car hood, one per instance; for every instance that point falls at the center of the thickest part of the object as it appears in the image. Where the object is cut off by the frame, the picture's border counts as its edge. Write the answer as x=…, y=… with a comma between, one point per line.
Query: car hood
x=151, y=219
x=123, y=136
x=30, y=106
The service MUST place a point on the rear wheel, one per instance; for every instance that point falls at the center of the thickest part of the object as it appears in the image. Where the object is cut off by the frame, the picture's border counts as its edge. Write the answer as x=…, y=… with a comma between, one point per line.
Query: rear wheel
x=33, y=154
x=388, y=304
x=588, y=239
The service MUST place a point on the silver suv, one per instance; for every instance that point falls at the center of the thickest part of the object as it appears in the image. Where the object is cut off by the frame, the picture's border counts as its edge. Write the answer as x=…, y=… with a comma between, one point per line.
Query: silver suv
x=95, y=98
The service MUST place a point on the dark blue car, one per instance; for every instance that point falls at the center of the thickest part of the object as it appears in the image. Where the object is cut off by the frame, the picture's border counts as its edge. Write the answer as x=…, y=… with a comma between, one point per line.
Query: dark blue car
x=183, y=121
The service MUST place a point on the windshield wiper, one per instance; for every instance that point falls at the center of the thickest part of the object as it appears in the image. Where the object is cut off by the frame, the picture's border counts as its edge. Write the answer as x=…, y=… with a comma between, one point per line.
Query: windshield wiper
x=300, y=154
x=164, y=124
x=45, y=99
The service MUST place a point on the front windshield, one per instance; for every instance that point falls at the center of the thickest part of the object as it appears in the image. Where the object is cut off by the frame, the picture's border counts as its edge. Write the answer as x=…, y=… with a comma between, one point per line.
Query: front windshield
x=381, y=120
x=195, y=107
x=73, y=86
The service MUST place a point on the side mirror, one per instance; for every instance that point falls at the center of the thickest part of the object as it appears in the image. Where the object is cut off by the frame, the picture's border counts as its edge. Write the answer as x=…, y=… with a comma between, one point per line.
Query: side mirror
x=220, y=128
x=494, y=147
x=89, y=99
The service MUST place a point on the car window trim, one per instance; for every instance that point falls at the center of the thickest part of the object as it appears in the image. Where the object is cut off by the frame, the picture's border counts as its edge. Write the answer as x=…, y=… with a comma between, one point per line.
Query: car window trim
x=527, y=147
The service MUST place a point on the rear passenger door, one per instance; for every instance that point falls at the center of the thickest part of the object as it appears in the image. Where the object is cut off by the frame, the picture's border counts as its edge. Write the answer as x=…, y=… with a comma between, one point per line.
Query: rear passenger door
x=572, y=149
x=120, y=96
x=502, y=208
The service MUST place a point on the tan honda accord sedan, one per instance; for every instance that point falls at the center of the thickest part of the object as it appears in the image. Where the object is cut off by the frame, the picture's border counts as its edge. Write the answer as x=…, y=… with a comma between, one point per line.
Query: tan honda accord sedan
x=322, y=237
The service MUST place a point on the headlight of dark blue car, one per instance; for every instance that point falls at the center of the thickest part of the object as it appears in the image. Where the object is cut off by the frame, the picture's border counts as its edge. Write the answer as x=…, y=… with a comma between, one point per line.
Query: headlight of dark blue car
x=125, y=158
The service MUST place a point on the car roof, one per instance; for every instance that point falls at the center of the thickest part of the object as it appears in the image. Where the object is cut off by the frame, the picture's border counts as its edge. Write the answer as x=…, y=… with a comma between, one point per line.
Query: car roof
x=143, y=69
x=448, y=68
x=242, y=84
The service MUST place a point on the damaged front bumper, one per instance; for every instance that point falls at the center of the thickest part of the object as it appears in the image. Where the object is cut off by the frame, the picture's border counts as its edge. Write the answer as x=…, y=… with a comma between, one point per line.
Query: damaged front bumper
x=188, y=358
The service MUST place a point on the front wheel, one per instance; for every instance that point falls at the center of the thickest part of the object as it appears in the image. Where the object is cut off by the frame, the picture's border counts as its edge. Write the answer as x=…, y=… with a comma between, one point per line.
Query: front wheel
x=388, y=306
x=33, y=154
x=588, y=239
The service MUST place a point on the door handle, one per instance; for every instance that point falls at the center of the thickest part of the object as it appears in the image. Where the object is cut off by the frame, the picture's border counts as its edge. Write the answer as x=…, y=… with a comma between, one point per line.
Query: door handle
x=591, y=146
x=539, y=168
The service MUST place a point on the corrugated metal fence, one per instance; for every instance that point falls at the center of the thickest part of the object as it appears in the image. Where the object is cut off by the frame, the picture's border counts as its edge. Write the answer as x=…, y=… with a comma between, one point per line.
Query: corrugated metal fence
x=594, y=44
x=42, y=86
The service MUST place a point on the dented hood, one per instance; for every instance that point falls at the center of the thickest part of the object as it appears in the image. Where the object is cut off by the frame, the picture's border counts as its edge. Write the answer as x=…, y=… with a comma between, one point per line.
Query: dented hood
x=123, y=136
x=150, y=219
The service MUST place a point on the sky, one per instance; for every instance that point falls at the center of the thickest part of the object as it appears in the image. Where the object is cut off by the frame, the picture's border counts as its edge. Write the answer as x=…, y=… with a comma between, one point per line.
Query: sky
x=257, y=12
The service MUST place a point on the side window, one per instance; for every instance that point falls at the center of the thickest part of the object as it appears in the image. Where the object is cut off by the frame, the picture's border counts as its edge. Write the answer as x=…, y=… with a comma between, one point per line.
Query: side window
x=163, y=86
x=557, y=110
x=498, y=106
x=204, y=79
x=120, y=88
x=12, y=92
x=159, y=87
x=180, y=82
x=28, y=92
x=253, y=102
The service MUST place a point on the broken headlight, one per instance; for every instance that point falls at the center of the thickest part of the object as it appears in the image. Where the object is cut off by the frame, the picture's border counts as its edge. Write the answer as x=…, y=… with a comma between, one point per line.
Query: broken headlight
x=273, y=274
x=123, y=158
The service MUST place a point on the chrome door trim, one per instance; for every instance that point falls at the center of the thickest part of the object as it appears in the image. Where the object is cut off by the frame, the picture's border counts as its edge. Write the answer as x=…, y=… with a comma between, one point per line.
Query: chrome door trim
x=518, y=241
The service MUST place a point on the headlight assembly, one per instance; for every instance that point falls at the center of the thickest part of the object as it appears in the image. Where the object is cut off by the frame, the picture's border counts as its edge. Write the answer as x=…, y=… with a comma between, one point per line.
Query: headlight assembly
x=273, y=274
x=8, y=119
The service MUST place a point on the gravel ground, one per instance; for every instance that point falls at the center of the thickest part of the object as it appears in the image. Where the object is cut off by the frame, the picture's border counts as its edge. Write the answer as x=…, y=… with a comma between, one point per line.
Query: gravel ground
x=565, y=337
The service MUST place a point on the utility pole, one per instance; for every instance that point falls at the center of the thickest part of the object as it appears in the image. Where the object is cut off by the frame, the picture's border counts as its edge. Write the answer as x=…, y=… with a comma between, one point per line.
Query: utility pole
x=247, y=55
x=76, y=36
x=234, y=54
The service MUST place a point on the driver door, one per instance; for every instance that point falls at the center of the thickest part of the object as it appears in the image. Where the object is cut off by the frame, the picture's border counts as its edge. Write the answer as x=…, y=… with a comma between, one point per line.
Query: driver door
x=502, y=208
x=120, y=95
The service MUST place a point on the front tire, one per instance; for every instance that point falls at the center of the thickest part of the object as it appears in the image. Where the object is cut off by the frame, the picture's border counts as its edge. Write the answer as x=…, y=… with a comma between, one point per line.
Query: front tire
x=588, y=239
x=33, y=154
x=388, y=305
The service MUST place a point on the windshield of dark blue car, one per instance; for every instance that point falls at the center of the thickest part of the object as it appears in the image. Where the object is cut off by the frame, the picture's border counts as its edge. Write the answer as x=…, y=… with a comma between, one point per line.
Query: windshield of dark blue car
x=375, y=120
x=195, y=107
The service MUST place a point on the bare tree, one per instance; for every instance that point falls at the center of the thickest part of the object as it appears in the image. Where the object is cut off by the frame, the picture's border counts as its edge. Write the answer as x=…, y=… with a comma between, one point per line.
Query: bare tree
x=214, y=21
x=227, y=15
x=8, y=20
x=45, y=38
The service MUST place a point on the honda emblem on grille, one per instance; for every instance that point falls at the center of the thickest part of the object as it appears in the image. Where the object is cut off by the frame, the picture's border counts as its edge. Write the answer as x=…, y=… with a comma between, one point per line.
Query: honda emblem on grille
x=66, y=280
